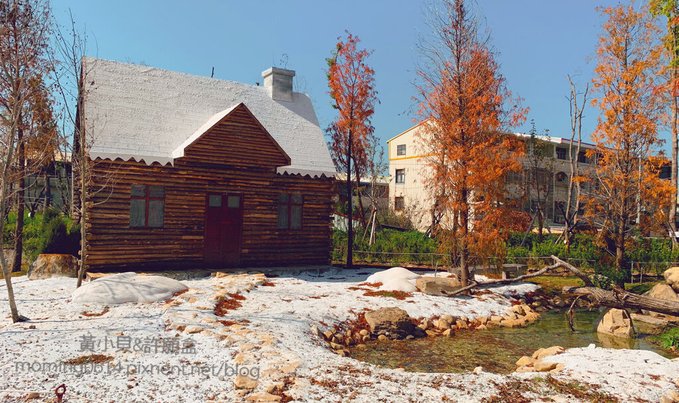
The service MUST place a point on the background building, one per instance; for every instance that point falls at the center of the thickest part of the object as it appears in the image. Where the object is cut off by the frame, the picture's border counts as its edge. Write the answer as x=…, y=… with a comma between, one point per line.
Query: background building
x=543, y=182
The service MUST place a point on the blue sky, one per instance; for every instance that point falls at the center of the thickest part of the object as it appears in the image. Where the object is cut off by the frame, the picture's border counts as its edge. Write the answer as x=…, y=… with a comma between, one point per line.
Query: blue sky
x=539, y=42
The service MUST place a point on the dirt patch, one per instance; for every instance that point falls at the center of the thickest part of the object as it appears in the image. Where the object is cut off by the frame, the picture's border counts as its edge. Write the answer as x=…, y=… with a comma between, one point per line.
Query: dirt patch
x=399, y=295
x=91, y=314
x=228, y=323
x=89, y=359
x=268, y=283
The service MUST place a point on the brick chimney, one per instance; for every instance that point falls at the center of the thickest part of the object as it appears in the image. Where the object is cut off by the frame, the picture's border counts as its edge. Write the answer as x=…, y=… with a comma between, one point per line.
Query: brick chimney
x=278, y=82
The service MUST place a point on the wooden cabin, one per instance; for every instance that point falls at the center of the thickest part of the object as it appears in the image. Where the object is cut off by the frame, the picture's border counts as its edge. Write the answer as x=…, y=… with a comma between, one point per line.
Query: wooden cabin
x=197, y=172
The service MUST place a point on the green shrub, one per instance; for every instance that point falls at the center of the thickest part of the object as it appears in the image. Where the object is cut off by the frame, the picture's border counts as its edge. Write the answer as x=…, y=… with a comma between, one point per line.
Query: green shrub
x=670, y=339
x=51, y=232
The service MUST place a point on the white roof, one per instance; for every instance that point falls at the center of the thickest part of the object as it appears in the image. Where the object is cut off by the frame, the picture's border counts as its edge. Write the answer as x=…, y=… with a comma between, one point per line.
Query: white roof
x=145, y=113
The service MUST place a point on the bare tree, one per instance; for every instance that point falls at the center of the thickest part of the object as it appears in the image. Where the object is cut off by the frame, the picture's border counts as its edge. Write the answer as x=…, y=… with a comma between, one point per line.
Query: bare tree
x=70, y=72
x=539, y=181
x=577, y=103
x=24, y=38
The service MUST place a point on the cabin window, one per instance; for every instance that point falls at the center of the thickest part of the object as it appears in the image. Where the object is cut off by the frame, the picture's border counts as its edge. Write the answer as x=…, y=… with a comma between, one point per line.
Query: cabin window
x=147, y=206
x=400, y=176
x=401, y=149
x=290, y=210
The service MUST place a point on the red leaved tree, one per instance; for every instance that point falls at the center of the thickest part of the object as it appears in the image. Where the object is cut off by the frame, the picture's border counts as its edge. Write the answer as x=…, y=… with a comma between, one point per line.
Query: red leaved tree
x=464, y=98
x=352, y=88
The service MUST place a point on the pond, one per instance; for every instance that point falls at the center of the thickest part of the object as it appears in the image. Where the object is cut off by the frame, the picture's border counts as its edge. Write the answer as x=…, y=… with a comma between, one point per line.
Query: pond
x=496, y=349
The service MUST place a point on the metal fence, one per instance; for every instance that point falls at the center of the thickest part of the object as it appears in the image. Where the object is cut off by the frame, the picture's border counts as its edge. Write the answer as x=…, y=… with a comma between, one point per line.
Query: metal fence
x=442, y=261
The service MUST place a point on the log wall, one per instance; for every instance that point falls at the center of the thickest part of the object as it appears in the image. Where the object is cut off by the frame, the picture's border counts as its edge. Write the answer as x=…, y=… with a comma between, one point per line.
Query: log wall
x=239, y=168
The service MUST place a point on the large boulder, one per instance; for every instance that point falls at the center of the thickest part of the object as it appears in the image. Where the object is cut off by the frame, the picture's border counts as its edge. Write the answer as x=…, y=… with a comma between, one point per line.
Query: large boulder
x=663, y=291
x=53, y=265
x=672, y=277
x=616, y=322
x=437, y=285
x=394, y=322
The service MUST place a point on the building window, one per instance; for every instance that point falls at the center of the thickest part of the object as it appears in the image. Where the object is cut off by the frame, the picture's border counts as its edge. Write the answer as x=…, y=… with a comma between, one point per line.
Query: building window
x=147, y=206
x=400, y=176
x=399, y=203
x=401, y=149
x=290, y=210
x=582, y=157
x=561, y=179
x=561, y=153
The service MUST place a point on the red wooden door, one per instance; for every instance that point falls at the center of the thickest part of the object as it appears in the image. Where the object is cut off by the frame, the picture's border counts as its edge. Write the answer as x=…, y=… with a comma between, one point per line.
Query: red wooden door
x=223, y=229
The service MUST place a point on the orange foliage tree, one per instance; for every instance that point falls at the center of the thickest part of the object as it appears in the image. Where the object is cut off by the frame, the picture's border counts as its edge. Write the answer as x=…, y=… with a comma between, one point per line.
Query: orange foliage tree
x=464, y=99
x=626, y=184
x=352, y=88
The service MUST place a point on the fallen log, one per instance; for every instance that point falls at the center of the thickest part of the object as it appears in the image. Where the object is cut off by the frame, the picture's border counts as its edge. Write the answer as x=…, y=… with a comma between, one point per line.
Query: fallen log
x=621, y=299
x=497, y=283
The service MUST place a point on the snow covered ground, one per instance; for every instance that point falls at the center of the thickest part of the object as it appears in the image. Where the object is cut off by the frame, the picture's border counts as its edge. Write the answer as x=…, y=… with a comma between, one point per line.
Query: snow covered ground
x=178, y=350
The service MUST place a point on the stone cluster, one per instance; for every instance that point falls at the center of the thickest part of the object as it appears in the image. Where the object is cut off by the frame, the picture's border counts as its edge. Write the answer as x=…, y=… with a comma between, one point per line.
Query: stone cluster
x=538, y=362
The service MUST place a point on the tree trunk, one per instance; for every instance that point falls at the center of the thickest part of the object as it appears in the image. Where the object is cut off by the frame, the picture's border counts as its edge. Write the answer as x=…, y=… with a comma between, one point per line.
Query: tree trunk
x=621, y=299
x=21, y=184
x=48, y=192
x=350, y=202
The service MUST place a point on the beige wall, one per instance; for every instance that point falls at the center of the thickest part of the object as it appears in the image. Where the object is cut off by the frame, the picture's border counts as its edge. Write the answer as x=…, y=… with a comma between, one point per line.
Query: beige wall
x=416, y=195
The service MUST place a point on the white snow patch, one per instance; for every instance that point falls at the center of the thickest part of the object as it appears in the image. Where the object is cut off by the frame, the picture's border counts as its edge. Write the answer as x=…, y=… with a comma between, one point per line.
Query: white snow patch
x=395, y=279
x=127, y=287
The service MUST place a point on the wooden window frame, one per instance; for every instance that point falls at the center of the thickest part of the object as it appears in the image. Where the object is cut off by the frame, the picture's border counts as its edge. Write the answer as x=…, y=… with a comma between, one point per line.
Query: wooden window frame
x=289, y=204
x=147, y=201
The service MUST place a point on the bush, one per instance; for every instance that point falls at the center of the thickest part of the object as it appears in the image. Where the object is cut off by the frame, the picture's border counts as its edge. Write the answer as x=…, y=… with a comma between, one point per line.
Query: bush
x=670, y=339
x=390, y=246
x=51, y=232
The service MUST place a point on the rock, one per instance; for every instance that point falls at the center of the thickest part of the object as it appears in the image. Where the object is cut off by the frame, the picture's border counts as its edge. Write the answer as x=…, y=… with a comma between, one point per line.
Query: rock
x=32, y=396
x=316, y=332
x=53, y=265
x=496, y=320
x=648, y=324
x=524, y=361
x=263, y=397
x=544, y=366
x=670, y=397
x=461, y=324
x=447, y=318
x=481, y=327
x=382, y=338
x=546, y=352
x=364, y=332
x=393, y=320
x=192, y=329
x=672, y=277
x=518, y=309
x=616, y=322
x=431, y=333
x=478, y=370
x=442, y=324
x=245, y=382
x=335, y=346
x=663, y=291
x=439, y=286
x=447, y=332
x=328, y=334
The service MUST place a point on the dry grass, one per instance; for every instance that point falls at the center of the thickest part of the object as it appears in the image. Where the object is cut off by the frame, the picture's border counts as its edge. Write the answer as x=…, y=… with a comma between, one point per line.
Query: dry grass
x=91, y=314
x=399, y=295
x=89, y=359
x=228, y=303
